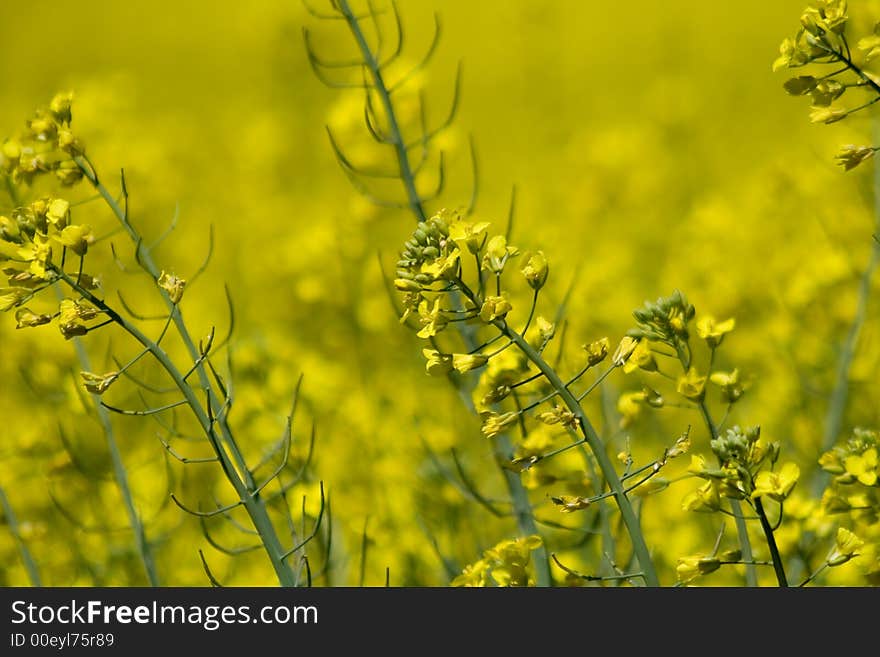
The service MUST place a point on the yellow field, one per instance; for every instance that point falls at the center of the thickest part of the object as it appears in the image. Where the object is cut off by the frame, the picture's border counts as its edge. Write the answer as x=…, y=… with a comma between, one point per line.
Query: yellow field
x=652, y=149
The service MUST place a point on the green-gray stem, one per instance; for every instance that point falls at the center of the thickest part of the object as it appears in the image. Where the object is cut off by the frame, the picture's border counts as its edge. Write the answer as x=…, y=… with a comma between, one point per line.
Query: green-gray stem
x=26, y=558
x=771, y=543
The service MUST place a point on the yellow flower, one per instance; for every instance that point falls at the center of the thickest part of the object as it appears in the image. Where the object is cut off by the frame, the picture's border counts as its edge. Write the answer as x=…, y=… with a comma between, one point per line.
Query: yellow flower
x=473, y=575
x=731, y=387
x=10, y=297
x=706, y=498
x=77, y=238
x=58, y=213
x=846, y=546
x=72, y=314
x=851, y=156
x=713, y=332
x=546, y=329
x=827, y=115
x=25, y=318
x=495, y=308
x=467, y=362
x=777, y=485
x=863, y=467
x=443, y=267
x=493, y=423
x=535, y=270
x=692, y=385
x=432, y=320
x=624, y=350
x=559, y=415
x=640, y=358
x=596, y=351
x=172, y=285
x=690, y=568
x=437, y=364
x=629, y=406
x=98, y=383
x=470, y=235
x=497, y=254
x=60, y=106
x=570, y=503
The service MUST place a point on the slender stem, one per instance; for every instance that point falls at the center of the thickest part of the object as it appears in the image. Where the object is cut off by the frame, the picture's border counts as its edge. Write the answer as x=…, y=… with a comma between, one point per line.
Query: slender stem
x=396, y=137
x=771, y=543
x=29, y=565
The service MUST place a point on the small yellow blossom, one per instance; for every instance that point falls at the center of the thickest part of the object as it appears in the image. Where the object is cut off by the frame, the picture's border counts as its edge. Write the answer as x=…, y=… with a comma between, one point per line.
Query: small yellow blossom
x=432, y=319
x=706, y=498
x=443, y=267
x=172, y=285
x=98, y=383
x=469, y=235
x=596, y=351
x=498, y=253
x=535, y=270
x=77, y=238
x=641, y=358
x=846, y=546
x=777, y=485
x=495, y=308
x=690, y=568
x=864, y=467
x=467, y=362
x=624, y=350
x=25, y=318
x=692, y=385
x=712, y=331
x=570, y=503
x=494, y=423
x=437, y=364
x=731, y=387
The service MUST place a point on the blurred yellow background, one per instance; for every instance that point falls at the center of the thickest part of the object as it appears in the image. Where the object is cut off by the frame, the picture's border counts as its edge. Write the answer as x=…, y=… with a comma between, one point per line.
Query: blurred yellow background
x=651, y=147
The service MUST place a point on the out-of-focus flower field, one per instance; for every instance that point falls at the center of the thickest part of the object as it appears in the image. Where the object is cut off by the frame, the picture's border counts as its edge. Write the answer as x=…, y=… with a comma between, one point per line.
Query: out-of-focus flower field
x=652, y=149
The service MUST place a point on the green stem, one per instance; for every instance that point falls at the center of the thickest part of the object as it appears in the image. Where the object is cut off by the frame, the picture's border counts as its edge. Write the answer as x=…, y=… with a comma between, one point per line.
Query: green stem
x=771, y=543
x=247, y=494
x=26, y=558
x=372, y=64
x=627, y=512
